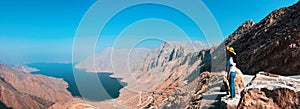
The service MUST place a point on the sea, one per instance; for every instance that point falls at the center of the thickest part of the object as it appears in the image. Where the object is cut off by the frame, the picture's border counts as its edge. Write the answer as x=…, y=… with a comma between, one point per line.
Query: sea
x=90, y=86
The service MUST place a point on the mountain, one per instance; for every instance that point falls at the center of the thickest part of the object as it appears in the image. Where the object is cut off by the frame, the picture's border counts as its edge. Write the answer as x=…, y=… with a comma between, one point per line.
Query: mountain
x=166, y=70
x=179, y=75
x=272, y=45
x=23, y=90
x=103, y=61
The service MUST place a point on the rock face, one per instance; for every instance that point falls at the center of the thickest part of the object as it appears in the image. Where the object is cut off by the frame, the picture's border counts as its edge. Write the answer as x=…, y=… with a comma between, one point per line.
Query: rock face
x=169, y=51
x=206, y=94
x=267, y=91
x=167, y=76
x=272, y=45
x=23, y=90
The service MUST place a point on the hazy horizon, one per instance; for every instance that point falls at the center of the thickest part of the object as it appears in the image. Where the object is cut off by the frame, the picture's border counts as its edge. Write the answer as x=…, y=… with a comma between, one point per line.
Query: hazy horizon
x=43, y=31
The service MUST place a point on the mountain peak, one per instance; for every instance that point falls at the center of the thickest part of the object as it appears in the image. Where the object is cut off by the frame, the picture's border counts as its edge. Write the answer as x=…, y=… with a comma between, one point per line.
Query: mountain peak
x=272, y=45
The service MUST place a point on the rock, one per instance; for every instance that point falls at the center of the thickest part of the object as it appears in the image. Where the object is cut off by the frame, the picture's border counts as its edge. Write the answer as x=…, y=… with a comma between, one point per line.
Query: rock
x=23, y=90
x=292, y=46
x=73, y=105
x=272, y=45
x=203, y=81
x=238, y=81
x=24, y=68
x=169, y=51
x=267, y=91
x=227, y=103
x=209, y=95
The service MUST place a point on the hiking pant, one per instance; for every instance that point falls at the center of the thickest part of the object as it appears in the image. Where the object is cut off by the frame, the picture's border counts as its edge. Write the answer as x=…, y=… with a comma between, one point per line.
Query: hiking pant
x=232, y=87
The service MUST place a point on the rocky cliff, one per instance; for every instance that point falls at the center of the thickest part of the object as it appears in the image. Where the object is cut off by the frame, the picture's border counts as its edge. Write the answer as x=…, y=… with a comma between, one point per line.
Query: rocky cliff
x=272, y=45
x=22, y=90
x=271, y=91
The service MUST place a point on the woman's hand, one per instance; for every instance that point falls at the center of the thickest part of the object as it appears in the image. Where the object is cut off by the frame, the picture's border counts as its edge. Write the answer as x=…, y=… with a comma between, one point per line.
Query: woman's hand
x=228, y=75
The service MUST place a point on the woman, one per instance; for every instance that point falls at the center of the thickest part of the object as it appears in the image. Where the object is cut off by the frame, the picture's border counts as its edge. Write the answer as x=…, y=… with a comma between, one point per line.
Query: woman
x=231, y=57
x=231, y=70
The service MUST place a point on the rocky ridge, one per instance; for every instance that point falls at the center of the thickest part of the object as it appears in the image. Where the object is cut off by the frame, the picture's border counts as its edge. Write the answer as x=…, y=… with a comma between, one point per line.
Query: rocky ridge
x=267, y=91
x=23, y=90
x=164, y=80
x=273, y=42
x=271, y=91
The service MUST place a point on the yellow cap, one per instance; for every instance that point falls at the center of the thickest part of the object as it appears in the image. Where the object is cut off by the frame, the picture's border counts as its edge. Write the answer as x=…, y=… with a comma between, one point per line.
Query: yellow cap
x=230, y=49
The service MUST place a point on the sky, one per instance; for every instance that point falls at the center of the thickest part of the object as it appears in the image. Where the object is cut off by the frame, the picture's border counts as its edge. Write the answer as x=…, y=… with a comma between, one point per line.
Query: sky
x=43, y=30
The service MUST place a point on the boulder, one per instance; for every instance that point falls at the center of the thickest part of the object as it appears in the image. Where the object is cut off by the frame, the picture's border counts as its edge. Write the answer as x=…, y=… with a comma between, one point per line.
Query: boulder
x=238, y=81
x=267, y=91
x=227, y=103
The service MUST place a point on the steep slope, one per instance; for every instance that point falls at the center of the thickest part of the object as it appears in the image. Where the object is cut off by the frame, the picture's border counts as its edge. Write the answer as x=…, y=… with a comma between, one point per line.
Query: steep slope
x=272, y=45
x=23, y=90
x=167, y=69
x=169, y=51
x=11, y=98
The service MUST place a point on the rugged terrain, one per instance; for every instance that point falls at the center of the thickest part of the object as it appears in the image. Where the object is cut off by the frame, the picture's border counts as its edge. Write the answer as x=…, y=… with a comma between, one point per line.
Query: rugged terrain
x=22, y=90
x=271, y=91
x=271, y=45
x=183, y=74
x=171, y=75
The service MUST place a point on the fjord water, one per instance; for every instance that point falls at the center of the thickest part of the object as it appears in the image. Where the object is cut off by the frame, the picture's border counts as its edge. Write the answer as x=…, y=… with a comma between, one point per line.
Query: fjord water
x=109, y=87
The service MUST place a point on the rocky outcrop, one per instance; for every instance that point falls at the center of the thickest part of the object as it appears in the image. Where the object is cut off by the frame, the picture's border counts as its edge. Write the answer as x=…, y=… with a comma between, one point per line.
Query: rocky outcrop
x=237, y=34
x=75, y=103
x=23, y=90
x=12, y=98
x=204, y=94
x=271, y=91
x=238, y=81
x=266, y=91
x=169, y=51
x=23, y=68
x=210, y=95
x=229, y=103
x=272, y=45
